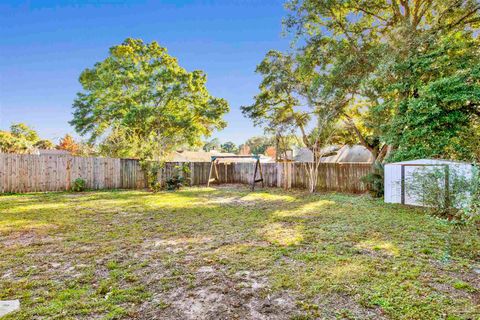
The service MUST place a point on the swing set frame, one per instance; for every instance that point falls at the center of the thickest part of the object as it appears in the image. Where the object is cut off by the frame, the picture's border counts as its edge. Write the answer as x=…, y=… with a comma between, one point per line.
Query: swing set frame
x=214, y=169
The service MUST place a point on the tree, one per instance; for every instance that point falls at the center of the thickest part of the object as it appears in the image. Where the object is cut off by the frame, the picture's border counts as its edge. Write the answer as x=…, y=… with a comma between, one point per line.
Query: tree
x=271, y=152
x=20, y=139
x=213, y=144
x=11, y=144
x=22, y=131
x=244, y=150
x=358, y=47
x=287, y=104
x=441, y=119
x=259, y=144
x=142, y=96
x=119, y=144
x=44, y=144
x=67, y=143
x=229, y=146
x=86, y=149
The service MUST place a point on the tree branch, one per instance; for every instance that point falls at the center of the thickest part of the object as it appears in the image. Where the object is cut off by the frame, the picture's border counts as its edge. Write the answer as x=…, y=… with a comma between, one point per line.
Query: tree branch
x=351, y=124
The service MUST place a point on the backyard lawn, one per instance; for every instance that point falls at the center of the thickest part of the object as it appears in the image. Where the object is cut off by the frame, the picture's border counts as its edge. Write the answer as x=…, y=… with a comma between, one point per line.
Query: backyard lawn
x=228, y=253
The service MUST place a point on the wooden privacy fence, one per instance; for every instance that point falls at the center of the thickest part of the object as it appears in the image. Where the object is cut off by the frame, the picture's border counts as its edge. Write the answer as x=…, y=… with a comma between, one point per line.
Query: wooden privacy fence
x=33, y=173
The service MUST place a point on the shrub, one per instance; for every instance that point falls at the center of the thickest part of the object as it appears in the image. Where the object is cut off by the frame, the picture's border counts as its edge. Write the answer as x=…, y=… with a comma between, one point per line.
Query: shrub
x=174, y=183
x=458, y=207
x=79, y=185
x=461, y=200
x=471, y=213
x=375, y=180
x=179, y=178
x=151, y=169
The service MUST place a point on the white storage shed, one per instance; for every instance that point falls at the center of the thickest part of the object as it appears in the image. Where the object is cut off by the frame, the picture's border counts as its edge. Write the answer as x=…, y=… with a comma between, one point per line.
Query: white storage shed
x=399, y=175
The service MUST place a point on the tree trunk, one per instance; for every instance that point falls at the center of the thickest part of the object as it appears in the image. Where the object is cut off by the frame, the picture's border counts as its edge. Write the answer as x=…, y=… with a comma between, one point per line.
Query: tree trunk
x=312, y=171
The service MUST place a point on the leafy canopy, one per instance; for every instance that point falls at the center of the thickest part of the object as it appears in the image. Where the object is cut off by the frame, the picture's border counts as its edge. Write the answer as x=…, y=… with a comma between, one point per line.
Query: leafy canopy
x=286, y=104
x=213, y=144
x=143, y=97
x=359, y=50
x=67, y=143
x=229, y=146
x=22, y=139
x=259, y=144
x=441, y=118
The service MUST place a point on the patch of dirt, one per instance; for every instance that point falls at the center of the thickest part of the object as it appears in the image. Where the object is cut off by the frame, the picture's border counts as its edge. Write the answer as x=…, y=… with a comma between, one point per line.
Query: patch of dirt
x=215, y=295
x=379, y=254
x=175, y=245
x=24, y=239
x=337, y=305
x=233, y=187
x=469, y=276
x=448, y=289
x=233, y=201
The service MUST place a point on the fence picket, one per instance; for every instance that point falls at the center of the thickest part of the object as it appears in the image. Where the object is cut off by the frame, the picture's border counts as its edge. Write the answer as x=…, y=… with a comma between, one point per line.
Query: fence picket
x=33, y=173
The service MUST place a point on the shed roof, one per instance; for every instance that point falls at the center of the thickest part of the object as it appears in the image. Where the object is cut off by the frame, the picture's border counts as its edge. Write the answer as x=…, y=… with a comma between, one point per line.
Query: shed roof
x=428, y=161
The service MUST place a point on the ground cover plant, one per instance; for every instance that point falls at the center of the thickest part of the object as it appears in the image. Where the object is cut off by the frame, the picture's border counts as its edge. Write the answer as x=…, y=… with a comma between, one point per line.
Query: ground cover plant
x=228, y=253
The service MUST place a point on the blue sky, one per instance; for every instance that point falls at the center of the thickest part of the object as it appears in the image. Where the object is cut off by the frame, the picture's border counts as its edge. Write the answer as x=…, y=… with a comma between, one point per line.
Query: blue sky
x=46, y=44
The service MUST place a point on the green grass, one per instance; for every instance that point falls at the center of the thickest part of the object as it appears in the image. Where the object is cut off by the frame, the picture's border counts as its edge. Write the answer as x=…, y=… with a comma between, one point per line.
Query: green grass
x=128, y=254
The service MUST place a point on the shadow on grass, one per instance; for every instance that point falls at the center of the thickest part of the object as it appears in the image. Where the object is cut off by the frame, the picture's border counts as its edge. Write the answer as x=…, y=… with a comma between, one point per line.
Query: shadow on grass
x=309, y=244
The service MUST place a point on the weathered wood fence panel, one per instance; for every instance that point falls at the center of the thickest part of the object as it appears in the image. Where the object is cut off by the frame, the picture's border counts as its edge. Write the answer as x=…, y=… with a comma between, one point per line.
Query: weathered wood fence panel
x=342, y=177
x=34, y=173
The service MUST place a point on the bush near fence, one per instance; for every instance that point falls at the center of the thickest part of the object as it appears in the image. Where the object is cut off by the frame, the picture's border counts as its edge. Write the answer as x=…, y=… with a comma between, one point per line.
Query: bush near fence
x=21, y=173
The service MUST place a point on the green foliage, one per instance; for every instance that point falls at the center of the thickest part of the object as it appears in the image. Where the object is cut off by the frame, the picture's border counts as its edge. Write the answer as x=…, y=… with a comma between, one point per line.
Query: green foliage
x=21, y=130
x=213, y=144
x=151, y=170
x=440, y=118
x=178, y=178
x=44, y=144
x=288, y=104
x=471, y=212
x=400, y=73
x=119, y=144
x=79, y=185
x=457, y=202
x=22, y=139
x=141, y=96
x=174, y=182
x=381, y=260
x=229, y=146
x=259, y=144
x=375, y=180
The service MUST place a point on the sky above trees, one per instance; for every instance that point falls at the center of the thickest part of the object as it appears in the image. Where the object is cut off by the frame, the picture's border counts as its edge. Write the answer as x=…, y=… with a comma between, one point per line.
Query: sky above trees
x=45, y=46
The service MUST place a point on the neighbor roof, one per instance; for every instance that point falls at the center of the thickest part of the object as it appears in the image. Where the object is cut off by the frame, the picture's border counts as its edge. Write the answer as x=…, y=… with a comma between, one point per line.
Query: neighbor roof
x=52, y=152
x=196, y=156
x=345, y=154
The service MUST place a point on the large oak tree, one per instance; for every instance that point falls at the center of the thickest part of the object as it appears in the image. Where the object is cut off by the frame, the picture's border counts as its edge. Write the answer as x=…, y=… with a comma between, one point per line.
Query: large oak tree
x=147, y=104
x=371, y=58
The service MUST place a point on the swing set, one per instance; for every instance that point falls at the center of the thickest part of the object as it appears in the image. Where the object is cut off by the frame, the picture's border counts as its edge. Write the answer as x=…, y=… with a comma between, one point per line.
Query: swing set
x=214, y=169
